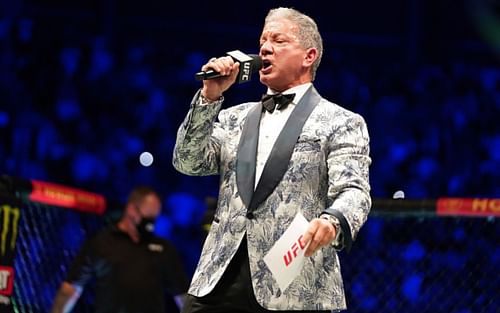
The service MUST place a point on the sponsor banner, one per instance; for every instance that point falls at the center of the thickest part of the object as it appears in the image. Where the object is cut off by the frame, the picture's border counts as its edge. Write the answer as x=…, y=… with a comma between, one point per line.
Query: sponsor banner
x=6, y=280
x=67, y=197
x=10, y=215
x=468, y=207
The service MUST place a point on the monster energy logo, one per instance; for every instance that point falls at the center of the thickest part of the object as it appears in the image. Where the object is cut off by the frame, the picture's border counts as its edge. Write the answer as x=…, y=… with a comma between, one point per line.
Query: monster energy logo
x=10, y=216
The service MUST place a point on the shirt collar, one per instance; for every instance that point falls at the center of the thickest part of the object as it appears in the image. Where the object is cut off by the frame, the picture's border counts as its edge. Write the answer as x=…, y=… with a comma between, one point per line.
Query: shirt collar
x=299, y=91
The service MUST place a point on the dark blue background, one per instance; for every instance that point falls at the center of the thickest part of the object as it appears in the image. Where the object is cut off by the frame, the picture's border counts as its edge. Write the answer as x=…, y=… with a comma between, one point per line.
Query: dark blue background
x=86, y=86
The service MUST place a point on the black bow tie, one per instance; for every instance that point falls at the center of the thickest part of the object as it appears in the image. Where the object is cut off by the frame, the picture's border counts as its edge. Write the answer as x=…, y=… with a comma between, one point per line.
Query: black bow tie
x=278, y=101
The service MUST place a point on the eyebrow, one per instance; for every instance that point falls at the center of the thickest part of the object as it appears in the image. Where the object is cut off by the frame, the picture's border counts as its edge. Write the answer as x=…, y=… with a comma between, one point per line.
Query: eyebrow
x=274, y=35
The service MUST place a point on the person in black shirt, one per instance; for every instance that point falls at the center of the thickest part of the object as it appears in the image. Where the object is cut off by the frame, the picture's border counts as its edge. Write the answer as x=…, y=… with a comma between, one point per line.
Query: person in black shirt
x=133, y=269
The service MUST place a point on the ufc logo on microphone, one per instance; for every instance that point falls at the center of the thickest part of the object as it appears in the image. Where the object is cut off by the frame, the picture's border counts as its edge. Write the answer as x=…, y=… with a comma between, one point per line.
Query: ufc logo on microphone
x=292, y=253
x=246, y=71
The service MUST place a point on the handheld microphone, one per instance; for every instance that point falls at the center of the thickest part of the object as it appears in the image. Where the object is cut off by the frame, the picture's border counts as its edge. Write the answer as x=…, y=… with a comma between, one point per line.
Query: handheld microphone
x=249, y=63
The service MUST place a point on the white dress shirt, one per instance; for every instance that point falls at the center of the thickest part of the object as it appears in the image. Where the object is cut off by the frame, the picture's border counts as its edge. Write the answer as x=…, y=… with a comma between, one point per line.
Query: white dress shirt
x=271, y=125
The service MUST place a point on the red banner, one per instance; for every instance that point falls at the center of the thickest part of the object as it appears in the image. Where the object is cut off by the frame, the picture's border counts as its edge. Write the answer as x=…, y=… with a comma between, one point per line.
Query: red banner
x=468, y=207
x=67, y=197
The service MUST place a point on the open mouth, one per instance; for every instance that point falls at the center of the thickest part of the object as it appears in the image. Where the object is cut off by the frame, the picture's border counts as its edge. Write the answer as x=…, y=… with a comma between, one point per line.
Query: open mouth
x=266, y=65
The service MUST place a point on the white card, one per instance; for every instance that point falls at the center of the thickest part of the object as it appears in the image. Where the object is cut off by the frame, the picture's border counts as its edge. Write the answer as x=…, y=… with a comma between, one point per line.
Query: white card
x=286, y=257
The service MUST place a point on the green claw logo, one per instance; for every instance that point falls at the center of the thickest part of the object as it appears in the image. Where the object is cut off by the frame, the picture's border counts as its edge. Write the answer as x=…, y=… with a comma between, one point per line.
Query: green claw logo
x=10, y=217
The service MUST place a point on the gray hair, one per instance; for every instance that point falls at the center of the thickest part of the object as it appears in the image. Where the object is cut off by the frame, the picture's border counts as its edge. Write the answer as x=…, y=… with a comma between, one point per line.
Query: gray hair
x=308, y=33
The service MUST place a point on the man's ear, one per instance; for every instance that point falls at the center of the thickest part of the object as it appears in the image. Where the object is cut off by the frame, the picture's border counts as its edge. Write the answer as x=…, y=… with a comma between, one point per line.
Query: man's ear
x=310, y=57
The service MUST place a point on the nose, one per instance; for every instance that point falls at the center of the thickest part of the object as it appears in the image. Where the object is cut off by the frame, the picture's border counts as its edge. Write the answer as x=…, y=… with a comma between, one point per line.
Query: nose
x=266, y=48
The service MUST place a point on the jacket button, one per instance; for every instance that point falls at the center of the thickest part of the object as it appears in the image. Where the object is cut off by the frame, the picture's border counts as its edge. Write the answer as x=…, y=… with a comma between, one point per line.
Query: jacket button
x=250, y=215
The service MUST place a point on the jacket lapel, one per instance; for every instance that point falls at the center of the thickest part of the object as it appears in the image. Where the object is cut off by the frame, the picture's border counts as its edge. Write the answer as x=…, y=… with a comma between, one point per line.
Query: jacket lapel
x=280, y=155
x=247, y=154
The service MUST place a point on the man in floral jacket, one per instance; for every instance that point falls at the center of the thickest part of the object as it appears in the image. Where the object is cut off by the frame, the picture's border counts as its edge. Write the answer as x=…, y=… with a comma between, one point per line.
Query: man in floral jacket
x=292, y=152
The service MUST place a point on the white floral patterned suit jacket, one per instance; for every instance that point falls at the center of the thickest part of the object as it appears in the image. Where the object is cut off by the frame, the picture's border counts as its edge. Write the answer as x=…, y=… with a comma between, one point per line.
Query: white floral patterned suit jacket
x=318, y=164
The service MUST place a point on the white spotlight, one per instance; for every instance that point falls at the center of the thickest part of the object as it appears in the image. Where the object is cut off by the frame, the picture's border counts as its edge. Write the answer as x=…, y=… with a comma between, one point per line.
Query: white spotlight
x=400, y=194
x=146, y=159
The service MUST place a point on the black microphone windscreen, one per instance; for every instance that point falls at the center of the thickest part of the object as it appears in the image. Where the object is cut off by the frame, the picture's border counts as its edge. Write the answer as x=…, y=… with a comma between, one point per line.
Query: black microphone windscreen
x=256, y=61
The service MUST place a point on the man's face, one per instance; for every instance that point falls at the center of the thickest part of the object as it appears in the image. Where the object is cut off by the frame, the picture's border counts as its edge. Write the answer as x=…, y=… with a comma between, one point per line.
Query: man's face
x=150, y=207
x=283, y=56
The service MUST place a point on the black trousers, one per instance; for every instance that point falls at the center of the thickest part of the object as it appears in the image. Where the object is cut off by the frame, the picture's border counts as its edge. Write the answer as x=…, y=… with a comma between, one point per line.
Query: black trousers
x=233, y=293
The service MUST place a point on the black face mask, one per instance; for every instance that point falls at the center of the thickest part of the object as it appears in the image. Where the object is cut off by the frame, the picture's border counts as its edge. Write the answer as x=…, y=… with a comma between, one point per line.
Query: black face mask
x=146, y=228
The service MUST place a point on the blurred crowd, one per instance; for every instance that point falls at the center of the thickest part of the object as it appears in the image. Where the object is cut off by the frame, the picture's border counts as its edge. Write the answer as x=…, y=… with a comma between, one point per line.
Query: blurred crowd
x=81, y=111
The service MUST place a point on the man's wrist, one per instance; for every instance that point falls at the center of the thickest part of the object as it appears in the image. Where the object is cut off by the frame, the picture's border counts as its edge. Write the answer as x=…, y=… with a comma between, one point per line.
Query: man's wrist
x=210, y=98
x=336, y=224
x=204, y=101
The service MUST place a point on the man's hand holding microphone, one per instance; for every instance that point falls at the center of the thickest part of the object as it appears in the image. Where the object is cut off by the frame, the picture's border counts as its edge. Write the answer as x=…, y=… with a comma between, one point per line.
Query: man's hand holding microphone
x=228, y=70
x=220, y=73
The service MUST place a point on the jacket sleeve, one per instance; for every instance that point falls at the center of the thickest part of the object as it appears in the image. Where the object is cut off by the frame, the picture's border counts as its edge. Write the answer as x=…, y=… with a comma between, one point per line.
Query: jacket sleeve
x=348, y=179
x=197, y=147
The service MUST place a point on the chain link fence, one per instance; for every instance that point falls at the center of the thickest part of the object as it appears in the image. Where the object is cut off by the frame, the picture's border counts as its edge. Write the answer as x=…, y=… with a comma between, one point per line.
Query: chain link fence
x=405, y=259
x=38, y=244
x=420, y=263
x=49, y=238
